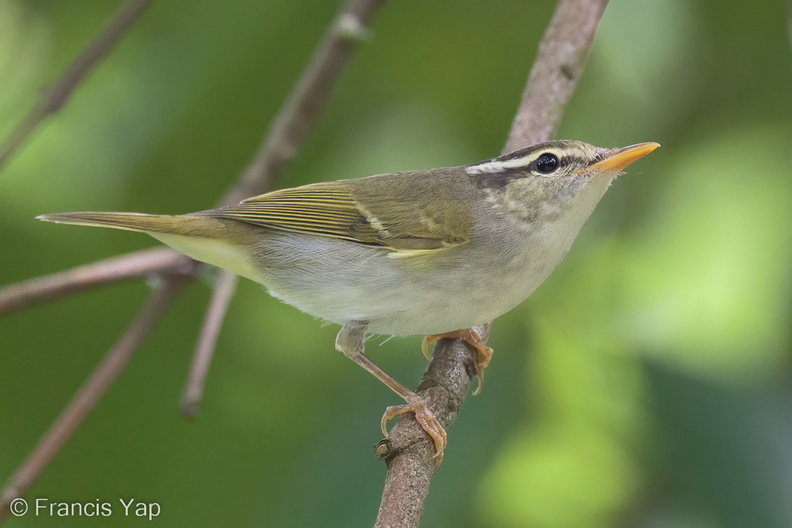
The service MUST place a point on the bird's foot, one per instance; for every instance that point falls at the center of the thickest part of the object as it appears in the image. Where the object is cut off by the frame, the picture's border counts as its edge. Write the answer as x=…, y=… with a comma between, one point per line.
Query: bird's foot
x=425, y=418
x=472, y=338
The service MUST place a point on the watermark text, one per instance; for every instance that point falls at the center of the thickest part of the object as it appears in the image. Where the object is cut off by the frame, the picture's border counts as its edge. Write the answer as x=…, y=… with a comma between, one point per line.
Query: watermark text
x=45, y=507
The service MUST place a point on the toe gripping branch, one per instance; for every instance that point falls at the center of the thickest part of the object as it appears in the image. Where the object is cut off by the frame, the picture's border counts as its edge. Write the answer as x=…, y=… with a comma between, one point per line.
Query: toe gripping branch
x=351, y=342
x=472, y=338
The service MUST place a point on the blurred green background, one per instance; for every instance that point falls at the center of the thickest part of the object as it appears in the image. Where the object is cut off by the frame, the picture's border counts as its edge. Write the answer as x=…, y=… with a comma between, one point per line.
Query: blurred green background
x=645, y=384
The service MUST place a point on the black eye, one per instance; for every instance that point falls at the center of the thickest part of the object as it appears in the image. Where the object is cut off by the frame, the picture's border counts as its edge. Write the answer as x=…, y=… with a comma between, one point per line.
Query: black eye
x=546, y=163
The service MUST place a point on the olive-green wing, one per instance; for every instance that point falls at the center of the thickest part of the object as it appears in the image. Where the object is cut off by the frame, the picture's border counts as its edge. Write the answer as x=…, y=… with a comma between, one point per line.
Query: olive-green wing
x=387, y=210
x=325, y=209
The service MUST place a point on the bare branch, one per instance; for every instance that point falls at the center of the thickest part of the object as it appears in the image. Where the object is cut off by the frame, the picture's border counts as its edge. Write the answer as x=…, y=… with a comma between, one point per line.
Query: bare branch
x=555, y=72
x=408, y=450
x=289, y=129
x=54, y=98
x=90, y=392
x=306, y=101
x=25, y=294
x=223, y=291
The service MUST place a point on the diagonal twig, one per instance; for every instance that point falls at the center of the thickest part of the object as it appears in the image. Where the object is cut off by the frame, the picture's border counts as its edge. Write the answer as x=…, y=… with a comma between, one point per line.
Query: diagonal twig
x=408, y=450
x=302, y=108
x=222, y=292
x=91, y=391
x=53, y=99
x=25, y=294
x=289, y=129
x=555, y=72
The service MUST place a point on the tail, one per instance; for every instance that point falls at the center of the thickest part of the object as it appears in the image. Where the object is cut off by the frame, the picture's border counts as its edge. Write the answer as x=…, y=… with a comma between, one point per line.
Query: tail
x=218, y=241
x=143, y=223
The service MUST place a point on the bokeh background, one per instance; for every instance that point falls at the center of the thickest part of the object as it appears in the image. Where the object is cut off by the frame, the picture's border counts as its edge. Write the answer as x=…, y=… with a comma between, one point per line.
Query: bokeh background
x=645, y=384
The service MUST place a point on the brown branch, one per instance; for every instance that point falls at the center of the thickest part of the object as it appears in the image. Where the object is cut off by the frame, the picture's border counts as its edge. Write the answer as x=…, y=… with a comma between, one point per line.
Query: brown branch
x=289, y=129
x=54, y=98
x=555, y=72
x=408, y=450
x=306, y=101
x=222, y=293
x=90, y=392
x=32, y=292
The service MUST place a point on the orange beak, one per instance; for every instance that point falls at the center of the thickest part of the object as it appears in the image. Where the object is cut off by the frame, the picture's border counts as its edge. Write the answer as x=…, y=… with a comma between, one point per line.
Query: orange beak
x=618, y=159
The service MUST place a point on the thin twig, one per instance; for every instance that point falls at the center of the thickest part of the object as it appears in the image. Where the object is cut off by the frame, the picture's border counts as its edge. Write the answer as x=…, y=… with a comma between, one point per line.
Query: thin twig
x=408, y=450
x=53, y=99
x=306, y=101
x=223, y=291
x=289, y=129
x=555, y=72
x=25, y=294
x=90, y=392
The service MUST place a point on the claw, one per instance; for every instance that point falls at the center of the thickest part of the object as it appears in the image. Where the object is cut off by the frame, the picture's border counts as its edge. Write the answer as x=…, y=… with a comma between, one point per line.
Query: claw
x=425, y=418
x=415, y=404
x=472, y=338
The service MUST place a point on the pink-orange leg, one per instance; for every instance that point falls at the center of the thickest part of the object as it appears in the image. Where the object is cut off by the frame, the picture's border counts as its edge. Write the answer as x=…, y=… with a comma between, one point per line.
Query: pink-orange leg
x=472, y=338
x=350, y=341
x=415, y=404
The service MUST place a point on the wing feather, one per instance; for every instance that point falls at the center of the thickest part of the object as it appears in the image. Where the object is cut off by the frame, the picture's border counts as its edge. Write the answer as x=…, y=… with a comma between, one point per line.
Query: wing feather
x=394, y=212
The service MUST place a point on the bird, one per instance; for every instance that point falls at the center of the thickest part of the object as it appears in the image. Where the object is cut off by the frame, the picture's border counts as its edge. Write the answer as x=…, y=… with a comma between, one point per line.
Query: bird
x=432, y=252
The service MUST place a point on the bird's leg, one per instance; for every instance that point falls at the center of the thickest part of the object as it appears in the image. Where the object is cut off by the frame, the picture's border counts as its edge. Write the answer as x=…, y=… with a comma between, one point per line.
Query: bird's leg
x=472, y=338
x=351, y=340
